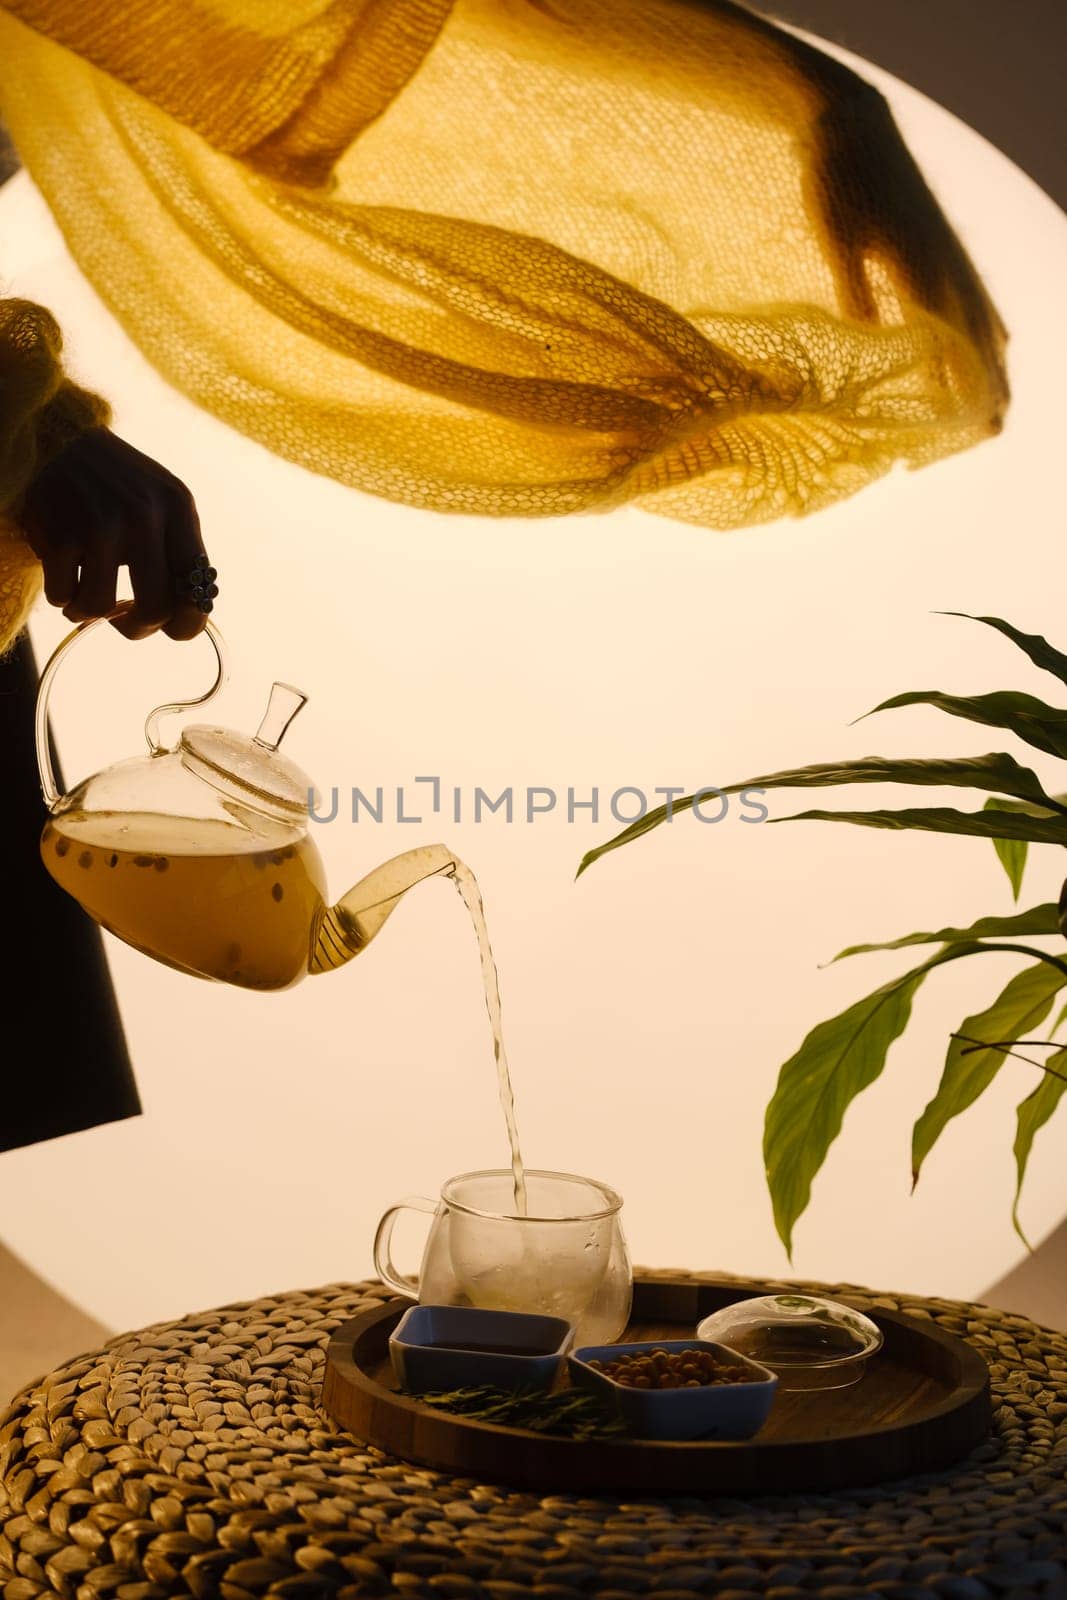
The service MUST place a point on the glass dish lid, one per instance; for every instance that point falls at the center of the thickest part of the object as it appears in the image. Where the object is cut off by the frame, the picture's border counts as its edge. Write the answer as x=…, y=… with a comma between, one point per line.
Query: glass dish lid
x=809, y=1342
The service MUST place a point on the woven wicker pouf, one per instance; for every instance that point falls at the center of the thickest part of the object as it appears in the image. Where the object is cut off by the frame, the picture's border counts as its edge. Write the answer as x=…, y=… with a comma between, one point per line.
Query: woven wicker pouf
x=192, y=1458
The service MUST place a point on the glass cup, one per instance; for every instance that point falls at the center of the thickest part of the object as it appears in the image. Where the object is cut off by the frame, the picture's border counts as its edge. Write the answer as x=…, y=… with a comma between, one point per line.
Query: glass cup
x=566, y=1258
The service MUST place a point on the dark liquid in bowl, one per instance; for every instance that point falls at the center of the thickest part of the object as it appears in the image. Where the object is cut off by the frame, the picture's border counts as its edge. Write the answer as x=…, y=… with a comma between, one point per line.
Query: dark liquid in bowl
x=486, y=1349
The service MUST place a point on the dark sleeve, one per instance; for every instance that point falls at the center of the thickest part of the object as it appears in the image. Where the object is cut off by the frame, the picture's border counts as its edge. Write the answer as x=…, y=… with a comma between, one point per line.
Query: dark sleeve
x=63, y=1060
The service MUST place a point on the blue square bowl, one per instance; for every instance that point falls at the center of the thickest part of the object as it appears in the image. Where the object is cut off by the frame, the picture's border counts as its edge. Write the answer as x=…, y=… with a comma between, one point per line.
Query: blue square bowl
x=714, y=1411
x=512, y=1349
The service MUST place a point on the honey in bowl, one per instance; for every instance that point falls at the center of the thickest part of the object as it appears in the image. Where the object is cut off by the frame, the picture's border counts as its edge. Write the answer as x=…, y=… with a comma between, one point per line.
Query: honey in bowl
x=221, y=900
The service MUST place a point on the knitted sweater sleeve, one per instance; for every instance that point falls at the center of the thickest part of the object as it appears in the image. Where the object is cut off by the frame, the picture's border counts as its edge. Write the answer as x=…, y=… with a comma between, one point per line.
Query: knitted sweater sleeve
x=41, y=411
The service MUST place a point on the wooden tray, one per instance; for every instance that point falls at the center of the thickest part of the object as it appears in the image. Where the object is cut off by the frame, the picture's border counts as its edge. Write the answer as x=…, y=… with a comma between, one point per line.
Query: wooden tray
x=922, y=1404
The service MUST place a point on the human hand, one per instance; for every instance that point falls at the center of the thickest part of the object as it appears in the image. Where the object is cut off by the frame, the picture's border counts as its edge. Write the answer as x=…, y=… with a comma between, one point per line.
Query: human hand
x=100, y=505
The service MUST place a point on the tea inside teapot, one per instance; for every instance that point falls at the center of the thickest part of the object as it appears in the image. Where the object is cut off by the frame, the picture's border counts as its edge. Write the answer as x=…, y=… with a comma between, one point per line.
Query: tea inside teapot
x=230, y=900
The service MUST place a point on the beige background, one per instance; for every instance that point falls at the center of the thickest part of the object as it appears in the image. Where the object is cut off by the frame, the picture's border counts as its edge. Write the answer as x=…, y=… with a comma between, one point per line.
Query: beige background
x=649, y=1006
x=997, y=64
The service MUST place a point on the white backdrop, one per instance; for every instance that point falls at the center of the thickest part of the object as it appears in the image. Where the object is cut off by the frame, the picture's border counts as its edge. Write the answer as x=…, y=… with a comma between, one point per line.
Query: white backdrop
x=649, y=1006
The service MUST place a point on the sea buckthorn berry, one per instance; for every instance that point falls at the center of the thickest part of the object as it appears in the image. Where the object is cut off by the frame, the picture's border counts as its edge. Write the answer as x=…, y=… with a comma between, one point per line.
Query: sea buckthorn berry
x=672, y=1369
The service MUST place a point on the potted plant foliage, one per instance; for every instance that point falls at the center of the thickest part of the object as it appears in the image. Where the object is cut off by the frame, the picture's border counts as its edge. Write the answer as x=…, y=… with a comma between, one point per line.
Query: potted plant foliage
x=842, y=1056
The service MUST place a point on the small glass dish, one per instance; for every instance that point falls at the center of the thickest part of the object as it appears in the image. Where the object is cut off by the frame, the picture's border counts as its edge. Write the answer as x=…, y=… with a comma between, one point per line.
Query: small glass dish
x=810, y=1343
x=460, y=1347
x=712, y=1411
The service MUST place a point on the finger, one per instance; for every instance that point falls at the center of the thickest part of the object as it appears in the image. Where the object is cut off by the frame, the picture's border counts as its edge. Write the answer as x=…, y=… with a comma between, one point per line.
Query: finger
x=186, y=622
x=185, y=544
x=60, y=575
x=154, y=597
x=52, y=519
x=97, y=585
x=196, y=591
x=185, y=547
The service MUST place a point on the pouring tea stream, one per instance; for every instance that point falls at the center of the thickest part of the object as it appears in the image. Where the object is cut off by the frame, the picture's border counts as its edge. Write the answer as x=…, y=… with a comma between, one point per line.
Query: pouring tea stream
x=199, y=854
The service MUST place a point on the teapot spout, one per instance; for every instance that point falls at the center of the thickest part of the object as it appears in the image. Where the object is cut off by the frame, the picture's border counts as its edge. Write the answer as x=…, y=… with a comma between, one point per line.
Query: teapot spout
x=350, y=925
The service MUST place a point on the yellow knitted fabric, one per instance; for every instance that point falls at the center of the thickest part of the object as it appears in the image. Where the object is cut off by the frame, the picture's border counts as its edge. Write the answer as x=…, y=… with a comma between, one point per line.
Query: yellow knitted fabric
x=40, y=412
x=514, y=257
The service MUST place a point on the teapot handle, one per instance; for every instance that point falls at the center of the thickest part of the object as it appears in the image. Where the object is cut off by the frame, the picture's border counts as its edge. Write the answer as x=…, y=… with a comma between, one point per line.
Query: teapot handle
x=49, y=788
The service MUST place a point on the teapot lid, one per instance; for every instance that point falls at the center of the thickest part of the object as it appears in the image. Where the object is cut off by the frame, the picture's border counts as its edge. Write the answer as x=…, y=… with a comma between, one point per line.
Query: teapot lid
x=253, y=771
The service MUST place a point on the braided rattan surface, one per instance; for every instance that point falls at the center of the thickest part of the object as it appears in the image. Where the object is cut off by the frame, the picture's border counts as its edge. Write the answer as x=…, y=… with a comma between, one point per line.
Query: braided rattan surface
x=192, y=1458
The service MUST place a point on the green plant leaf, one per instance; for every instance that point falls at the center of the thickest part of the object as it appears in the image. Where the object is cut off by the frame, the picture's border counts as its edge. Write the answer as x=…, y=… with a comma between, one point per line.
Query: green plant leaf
x=837, y=1060
x=992, y=824
x=1011, y=853
x=1039, y=919
x=968, y=1072
x=1031, y=1115
x=1039, y=650
x=997, y=773
x=1043, y=726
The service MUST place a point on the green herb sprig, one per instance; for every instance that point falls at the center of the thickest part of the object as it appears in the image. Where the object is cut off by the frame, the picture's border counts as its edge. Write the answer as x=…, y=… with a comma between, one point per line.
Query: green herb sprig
x=569, y=1413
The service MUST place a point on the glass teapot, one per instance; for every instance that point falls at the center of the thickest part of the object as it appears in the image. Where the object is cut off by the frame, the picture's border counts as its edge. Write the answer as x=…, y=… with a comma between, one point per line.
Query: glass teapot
x=200, y=855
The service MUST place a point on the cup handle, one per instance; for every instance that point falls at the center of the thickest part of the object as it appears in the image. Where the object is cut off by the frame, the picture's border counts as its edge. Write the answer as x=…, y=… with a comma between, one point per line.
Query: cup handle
x=383, y=1260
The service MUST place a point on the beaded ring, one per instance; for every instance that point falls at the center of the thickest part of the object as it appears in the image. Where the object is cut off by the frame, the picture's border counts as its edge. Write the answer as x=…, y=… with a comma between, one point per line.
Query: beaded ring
x=200, y=587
